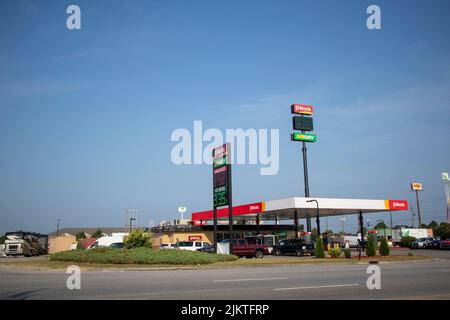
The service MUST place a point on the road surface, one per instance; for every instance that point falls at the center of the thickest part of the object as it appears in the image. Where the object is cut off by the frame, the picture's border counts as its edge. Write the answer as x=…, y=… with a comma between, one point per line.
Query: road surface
x=413, y=280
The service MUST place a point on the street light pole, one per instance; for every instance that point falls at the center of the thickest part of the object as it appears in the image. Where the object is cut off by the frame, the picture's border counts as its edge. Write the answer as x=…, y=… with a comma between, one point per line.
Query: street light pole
x=131, y=219
x=342, y=225
x=317, y=216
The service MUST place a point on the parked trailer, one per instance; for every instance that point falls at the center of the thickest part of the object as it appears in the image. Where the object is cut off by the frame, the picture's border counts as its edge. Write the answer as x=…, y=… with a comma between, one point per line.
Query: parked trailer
x=26, y=243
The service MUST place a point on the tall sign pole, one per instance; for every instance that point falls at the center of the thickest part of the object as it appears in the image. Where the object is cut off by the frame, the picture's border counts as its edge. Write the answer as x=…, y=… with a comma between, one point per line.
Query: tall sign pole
x=446, y=180
x=222, y=194
x=304, y=123
x=415, y=186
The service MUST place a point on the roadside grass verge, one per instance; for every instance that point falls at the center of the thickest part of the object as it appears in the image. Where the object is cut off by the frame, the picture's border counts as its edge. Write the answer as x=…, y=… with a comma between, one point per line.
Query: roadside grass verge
x=50, y=264
x=140, y=256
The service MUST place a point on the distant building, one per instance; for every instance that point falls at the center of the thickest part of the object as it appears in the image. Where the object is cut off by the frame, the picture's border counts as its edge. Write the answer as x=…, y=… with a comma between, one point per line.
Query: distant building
x=107, y=231
x=62, y=243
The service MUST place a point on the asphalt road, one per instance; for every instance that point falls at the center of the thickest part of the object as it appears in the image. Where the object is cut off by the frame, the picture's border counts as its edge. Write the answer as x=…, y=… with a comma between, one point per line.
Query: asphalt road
x=414, y=280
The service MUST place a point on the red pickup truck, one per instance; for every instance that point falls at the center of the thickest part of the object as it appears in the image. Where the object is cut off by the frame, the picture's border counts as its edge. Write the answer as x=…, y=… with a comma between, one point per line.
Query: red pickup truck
x=242, y=248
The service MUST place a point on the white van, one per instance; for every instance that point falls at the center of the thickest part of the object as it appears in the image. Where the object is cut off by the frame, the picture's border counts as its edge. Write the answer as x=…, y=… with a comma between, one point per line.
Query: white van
x=106, y=242
x=191, y=245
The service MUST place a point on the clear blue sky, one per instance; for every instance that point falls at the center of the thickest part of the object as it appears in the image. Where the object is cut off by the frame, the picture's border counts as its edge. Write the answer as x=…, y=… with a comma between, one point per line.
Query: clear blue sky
x=86, y=116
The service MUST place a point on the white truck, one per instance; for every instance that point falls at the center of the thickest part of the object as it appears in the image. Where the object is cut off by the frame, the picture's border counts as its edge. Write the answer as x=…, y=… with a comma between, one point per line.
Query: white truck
x=190, y=245
x=106, y=241
x=398, y=234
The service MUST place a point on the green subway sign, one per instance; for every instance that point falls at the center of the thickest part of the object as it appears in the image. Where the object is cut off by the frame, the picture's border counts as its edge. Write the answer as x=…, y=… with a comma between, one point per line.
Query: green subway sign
x=307, y=137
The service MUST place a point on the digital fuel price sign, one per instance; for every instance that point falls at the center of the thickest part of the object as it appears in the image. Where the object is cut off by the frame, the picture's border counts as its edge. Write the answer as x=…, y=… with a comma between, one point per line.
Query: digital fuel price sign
x=221, y=175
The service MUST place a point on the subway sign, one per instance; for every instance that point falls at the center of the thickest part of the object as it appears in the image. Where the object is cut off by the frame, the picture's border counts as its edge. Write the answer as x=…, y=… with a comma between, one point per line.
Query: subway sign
x=302, y=109
x=307, y=137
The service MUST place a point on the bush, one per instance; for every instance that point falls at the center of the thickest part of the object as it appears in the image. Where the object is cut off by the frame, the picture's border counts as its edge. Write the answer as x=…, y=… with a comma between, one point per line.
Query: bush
x=140, y=256
x=319, y=251
x=334, y=252
x=407, y=241
x=384, y=248
x=347, y=254
x=371, y=247
x=137, y=239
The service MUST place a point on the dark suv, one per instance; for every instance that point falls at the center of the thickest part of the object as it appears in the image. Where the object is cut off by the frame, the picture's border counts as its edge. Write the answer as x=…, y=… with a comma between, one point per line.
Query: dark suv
x=298, y=247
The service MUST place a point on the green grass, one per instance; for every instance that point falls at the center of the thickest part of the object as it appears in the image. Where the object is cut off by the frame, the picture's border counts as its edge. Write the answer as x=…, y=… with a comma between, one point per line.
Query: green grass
x=142, y=256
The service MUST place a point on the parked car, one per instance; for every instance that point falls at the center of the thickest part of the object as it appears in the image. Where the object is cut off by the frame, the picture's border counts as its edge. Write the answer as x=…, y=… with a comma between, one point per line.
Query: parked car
x=106, y=242
x=190, y=245
x=209, y=248
x=117, y=245
x=167, y=246
x=435, y=244
x=445, y=244
x=242, y=248
x=421, y=243
x=293, y=246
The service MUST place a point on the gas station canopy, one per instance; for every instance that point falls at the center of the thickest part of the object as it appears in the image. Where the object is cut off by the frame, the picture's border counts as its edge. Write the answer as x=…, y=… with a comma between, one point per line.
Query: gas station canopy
x=285, y=209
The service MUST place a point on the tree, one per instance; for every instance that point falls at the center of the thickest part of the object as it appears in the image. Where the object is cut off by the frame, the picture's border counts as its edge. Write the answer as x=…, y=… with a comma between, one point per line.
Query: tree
x=384, y=248
x=2, y=239
x=137, y=239
x=433, y=225
x=443, y=231
x=97, y=234
x=314, y=234
x=380, y=225
x=371, y=247
x=80, y=235
x=319, y=251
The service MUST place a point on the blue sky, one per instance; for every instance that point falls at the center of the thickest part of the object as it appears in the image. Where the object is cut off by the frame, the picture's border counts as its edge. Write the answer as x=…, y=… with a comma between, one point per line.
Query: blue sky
x=86, y=116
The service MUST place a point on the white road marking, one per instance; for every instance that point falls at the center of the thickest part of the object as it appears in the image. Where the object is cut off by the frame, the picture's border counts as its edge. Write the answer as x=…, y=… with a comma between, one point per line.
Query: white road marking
x=319, y=287
x=250, y=279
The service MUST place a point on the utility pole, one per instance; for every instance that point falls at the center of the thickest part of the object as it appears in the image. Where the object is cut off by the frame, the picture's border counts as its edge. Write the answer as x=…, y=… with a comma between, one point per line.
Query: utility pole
x=418, y=209
x=57, y=229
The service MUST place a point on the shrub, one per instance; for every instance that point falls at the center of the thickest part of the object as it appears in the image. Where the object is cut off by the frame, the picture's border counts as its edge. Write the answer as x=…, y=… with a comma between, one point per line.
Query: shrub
x=334, y=252
x=140, y=256
x=371, y=247
x=407, y=241
x=347, y=254
x=384, y=248
x=319, y=251
x=137, y=239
